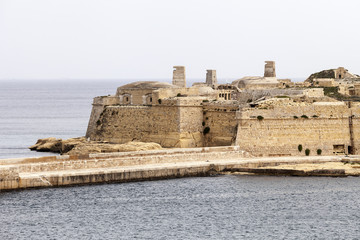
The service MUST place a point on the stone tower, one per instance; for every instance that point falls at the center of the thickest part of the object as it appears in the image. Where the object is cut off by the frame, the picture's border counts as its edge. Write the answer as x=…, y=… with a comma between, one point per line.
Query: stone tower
x=179, y=76
x=211, y=79
x=340, y=73
x=269, y=69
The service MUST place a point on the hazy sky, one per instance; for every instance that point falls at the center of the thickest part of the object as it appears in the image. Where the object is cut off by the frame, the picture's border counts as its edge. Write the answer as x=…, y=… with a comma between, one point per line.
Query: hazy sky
x=133, y=39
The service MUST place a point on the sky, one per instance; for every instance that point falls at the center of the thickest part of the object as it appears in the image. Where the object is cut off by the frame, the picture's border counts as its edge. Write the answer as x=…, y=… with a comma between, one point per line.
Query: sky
x=143, y=39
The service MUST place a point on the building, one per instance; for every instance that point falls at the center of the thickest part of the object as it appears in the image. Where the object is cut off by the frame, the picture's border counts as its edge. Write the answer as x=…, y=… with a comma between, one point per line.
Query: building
x=256, y=113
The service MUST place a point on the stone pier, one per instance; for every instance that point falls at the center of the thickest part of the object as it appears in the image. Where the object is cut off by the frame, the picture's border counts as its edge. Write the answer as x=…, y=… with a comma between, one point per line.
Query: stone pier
x=66, y=170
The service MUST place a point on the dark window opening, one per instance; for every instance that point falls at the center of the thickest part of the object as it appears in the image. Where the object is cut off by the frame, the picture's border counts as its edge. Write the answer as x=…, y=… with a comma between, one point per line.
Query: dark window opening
x=339, y=149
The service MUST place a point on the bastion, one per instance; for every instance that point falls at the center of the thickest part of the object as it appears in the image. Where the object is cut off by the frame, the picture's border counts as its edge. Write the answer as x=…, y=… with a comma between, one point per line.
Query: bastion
x=262, y=115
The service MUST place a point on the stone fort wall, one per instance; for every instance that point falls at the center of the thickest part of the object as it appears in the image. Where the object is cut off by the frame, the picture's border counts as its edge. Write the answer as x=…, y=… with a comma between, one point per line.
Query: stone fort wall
x=279, y=133
x=99, y=104
x=175, y=123
x=222, y=123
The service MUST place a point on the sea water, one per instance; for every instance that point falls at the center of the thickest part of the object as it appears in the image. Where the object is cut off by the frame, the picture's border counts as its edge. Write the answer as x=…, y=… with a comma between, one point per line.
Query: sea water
x=30, y=110
x=222, y=207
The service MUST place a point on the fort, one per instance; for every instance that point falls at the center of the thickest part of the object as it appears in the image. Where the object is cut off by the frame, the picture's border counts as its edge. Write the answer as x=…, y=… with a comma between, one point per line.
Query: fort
x=255, y=125
x=262, y=115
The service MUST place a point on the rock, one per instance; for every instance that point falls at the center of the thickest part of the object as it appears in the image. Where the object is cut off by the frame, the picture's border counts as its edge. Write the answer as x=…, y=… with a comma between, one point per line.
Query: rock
x=85, y=148
x=69, y=144
x=79, y=146
x=47, y=145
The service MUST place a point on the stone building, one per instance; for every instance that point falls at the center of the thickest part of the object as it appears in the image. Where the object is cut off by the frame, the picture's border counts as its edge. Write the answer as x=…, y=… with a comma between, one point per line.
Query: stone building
x=269, y=69
x=179, y=76
x=257, y=114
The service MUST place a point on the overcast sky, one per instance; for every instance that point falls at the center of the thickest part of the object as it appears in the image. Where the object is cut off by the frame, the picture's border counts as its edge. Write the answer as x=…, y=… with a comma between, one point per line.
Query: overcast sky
x=137, y=39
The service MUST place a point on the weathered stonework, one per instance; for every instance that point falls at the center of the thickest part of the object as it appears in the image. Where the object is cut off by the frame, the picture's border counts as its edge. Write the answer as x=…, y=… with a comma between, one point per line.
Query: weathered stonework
x=179, y=76
x=262, y=115
x=211, y=79
x=269, y=69
x=332, y=127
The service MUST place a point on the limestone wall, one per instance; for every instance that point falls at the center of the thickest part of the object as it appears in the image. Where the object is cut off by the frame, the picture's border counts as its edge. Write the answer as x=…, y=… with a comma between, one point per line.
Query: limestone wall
x=279, y=131
x=222, y=123
x=121, y=124
x=98, y=106
x=248, y=95
x=174, y=123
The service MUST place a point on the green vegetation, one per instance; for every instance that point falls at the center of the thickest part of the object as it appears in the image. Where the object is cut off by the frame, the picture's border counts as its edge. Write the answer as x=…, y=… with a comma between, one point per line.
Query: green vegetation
x=205, y=100
x=304, y=116
x=307, y=152
x=315, y=116
x=323, y=74
x=300, y=147
x=206, y=130
x=282, y=97
x=296, y=117
x=319, y=151
x=333, y=93
x=260, y=118
x=203, y=123
x=178, y=95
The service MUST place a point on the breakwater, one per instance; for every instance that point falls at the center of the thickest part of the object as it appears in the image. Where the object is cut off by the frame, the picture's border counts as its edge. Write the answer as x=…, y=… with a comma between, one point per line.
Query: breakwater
x=145, y=165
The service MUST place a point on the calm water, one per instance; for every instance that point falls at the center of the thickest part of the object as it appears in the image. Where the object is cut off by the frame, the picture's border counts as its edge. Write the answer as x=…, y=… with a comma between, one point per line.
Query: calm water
x=224, y=207
x=31, y=110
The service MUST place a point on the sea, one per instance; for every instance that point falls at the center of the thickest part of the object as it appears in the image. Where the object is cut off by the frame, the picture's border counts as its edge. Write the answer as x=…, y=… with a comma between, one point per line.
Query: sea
x=217, y=207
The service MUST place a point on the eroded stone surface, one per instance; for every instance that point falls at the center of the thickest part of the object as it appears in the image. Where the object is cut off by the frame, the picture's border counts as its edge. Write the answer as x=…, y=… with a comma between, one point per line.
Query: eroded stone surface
x=80, y=146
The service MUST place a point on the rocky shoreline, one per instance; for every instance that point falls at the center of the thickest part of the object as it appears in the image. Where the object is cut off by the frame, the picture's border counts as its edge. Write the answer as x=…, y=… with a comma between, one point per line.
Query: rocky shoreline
x=81, y=146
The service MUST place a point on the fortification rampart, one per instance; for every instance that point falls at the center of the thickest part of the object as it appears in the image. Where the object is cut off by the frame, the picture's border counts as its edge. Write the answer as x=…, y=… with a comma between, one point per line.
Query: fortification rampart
x=99, y=103
x=222, y=123
x=168, y=124
x=333, y=128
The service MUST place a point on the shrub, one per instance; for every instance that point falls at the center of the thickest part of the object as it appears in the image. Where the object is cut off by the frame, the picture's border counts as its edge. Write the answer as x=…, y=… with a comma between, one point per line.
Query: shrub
x=304, y=116
x=205, y=100
x=319, y=151
x=206, y=130
x=295, y=117
x=260, y=118
x=159, y=100
x=282, y=96
x=300, y=147
x=307, y=152
x=203, y=123
x=315, y=116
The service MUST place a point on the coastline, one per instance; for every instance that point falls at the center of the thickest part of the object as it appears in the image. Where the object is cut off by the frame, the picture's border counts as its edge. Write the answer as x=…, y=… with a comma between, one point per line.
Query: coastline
x=65, y=170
